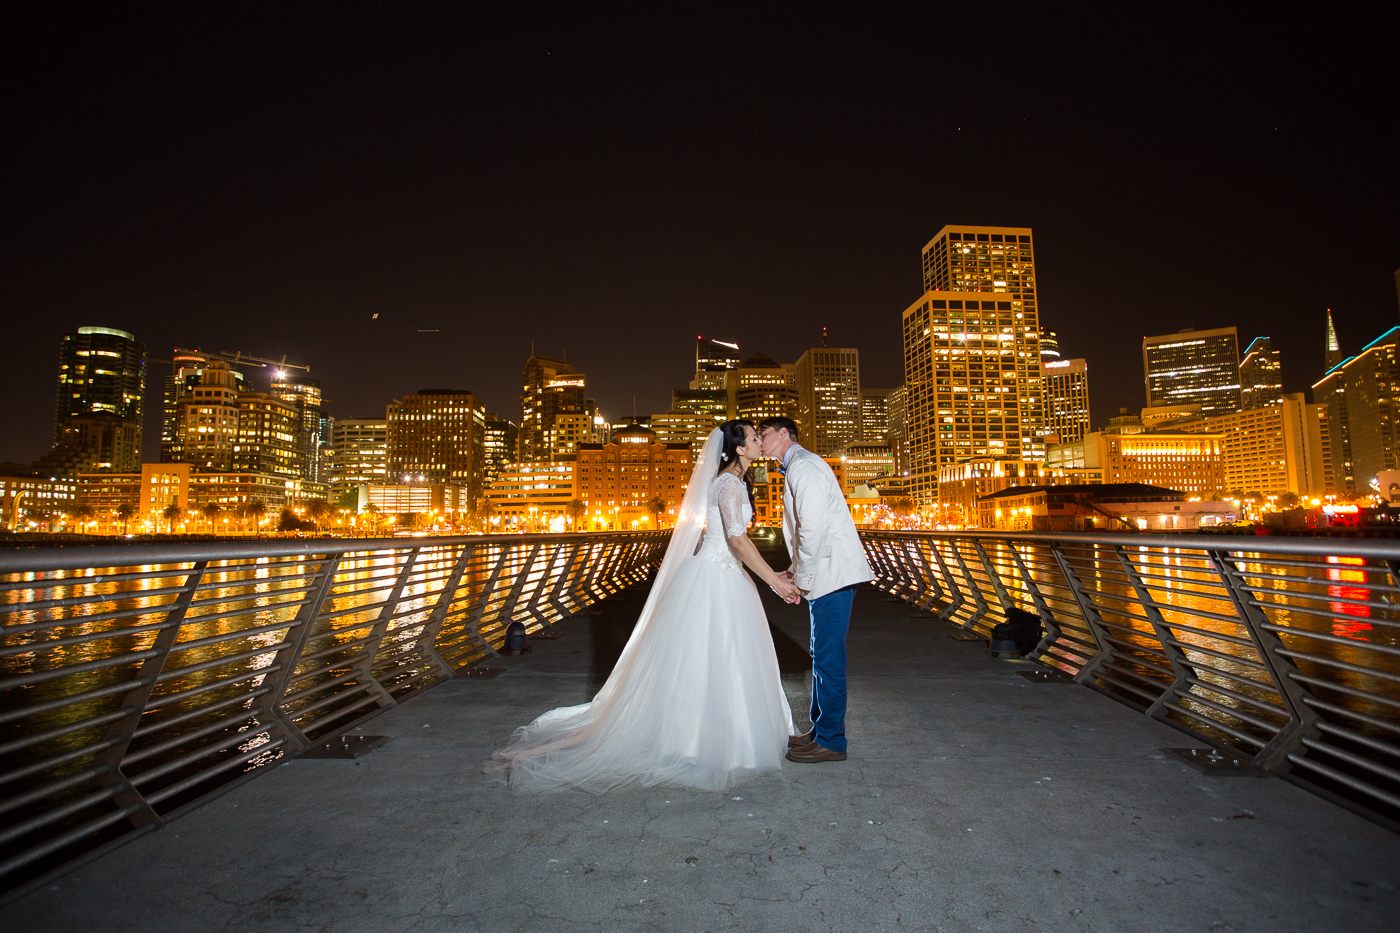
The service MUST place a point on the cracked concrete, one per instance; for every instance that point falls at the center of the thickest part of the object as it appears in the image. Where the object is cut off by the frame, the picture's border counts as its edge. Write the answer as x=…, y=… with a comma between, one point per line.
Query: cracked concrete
x=973, y=800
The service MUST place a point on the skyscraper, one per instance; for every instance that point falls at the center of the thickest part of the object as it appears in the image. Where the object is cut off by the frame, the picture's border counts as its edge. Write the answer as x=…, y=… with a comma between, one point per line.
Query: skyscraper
x=549, y=388
x=1362, y=394
x=1193, y=367
x=203, y=419
x=828, y=398
x=100, y=369
x=1000, y=261
x=713, y=361
x=186, y=374
x=1066, y=398
x=501, y=439
x=436, y=436
x=1261, y=376
x=875, y=415
x=1049, y=345
x=1334, y=349
x=304, y=394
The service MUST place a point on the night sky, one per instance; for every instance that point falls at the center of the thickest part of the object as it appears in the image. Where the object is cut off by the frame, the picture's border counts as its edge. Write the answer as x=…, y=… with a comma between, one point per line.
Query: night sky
x=609, y=186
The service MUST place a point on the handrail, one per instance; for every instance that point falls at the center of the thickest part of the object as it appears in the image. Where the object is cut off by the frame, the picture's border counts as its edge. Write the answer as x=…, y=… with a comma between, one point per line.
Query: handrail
x=141, y=680
x=1279, y=650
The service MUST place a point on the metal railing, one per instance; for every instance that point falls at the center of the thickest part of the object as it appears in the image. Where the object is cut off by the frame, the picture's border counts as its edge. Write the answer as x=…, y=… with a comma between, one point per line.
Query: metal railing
x=1283, y=651
x=136, y=681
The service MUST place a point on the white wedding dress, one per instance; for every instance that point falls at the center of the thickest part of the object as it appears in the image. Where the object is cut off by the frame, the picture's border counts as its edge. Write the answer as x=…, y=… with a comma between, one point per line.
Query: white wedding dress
x=695, y=699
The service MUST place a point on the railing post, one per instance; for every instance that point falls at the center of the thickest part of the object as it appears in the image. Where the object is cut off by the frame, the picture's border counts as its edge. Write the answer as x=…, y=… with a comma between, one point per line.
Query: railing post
x=475, y=617
x=381, y=624
x=427, y=639
x=956, y=602
x=298, y=634
x=998, y=587
x=1092, y=620
x=982, y=607
x=136, y=700
x=1302, y=720
x=1042, y=608
x=1181, y=668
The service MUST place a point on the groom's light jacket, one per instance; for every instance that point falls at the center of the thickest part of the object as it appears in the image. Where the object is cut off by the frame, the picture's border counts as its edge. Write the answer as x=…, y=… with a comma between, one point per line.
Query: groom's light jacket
x=821, y=536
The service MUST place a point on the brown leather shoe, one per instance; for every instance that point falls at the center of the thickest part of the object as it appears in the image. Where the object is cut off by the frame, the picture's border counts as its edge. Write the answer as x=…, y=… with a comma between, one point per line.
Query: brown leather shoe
x=812, y=753
x=807, y=738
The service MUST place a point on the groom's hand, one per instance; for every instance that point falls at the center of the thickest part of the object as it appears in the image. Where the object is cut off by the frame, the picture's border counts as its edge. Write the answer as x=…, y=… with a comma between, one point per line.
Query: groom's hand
x=786, y=575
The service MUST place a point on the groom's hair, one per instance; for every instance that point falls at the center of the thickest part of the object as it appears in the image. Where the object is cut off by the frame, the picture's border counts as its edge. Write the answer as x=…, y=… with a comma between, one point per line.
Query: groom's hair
x=779, y=424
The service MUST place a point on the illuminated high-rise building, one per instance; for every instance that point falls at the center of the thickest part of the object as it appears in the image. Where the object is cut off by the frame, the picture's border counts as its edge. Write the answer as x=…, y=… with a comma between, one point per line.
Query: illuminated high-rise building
x=875, y=415
x=1334, y=348
x=1049, y=346
x=359, y=454
x=897, y=431
x=828, y=398
x=100, y=369
x=966, y=394
x=202, y=416
x=714, y=359
x=1193, y=367
x=1261, y=376
x=550, y=388
x=1362, y=395
x=763, y=388
x=437, y=436
x=304, y=394
x=268, y=437
x=1066, y=385
x=185, y=376
x=501, y=439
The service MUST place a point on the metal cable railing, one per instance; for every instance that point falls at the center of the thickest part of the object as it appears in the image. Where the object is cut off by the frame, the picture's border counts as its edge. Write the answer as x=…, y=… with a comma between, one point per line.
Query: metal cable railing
x=136, y=681
x=1284, y=651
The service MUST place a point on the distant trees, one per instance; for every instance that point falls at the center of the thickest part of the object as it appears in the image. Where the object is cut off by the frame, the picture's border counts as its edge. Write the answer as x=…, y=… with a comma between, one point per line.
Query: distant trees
x=211, y=512
x=171, y=513
x=656, y=507
x=125, y=512
x=576, y=510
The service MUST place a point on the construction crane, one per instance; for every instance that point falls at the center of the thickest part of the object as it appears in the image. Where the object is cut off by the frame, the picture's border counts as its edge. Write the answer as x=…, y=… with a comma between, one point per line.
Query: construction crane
x=238, y=357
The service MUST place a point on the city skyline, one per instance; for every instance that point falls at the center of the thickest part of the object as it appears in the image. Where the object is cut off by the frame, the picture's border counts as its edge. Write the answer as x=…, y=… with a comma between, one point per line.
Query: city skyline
x=754, y=193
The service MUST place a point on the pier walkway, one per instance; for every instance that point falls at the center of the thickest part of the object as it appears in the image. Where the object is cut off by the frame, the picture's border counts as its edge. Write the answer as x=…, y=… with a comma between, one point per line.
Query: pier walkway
x=974, y=799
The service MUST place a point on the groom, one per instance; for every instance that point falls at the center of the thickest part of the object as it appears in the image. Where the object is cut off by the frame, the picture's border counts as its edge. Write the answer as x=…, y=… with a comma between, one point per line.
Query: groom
x=827, y=564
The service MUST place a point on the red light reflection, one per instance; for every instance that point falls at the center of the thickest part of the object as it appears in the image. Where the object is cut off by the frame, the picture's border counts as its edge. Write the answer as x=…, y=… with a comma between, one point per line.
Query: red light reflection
x=1349, y=629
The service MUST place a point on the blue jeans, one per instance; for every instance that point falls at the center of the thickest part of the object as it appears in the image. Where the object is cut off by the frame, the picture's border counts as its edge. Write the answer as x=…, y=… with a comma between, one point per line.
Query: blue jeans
x=831, y=617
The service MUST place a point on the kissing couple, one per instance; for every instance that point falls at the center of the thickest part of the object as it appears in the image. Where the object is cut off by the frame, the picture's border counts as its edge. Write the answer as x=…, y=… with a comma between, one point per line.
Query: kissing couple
x=695, y=699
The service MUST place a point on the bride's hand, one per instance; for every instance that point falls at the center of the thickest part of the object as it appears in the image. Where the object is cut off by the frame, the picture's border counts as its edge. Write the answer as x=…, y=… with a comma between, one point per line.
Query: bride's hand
x=788, y=591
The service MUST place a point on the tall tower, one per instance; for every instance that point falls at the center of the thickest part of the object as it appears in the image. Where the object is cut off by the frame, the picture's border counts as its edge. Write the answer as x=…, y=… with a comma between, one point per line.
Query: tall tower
x=1199, y=367
x=550, y=388
x=100, y=369
x=1261, y=376
x=1334, y=349
x=713, y=361
x=437, y=436
x=1000, y=263
x=1066, y=398
x=828, y=398
x=304, y=394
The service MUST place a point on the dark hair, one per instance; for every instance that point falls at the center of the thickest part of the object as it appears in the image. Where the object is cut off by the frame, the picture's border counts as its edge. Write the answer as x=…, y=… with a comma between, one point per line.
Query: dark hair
x=732, y=437
x=780, y=423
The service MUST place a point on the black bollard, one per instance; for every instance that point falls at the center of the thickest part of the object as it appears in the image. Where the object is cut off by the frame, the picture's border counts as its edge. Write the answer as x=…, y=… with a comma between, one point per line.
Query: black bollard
x=517, y=642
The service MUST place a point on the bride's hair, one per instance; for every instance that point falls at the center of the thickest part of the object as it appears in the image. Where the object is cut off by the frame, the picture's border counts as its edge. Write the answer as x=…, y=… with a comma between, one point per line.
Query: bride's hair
x=732, y=433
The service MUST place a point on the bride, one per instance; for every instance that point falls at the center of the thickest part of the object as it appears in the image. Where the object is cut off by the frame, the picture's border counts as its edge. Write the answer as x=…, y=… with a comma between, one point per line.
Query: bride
x=695, y=698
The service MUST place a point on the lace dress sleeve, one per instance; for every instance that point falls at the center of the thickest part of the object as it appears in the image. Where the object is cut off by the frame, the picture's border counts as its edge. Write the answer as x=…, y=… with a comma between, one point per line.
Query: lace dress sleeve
x=731, y=500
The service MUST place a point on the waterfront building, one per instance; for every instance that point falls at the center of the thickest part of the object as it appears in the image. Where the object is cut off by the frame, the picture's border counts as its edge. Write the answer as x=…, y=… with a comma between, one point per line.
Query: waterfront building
x=193, y=374
x=962, y=485
x=1361, y=394
x=714, y=360
x=532, y=496
x=875, y=415
x=828, y=394
x=100, y=369
x=160, y=485
x=550, y=388
x=1193, y=462
x=1201, y=366
x=431, y=499
x=1066, y=385
x=96, y=442
x=359, y=455
x=1261, y=376
x=1108, y=507
x=435, y=436
x=1273, y=449
x=37, y=499
x=615, y=481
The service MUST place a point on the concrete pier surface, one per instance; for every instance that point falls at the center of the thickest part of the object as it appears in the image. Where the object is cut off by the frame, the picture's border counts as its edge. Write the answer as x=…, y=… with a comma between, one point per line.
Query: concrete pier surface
x=972, y=800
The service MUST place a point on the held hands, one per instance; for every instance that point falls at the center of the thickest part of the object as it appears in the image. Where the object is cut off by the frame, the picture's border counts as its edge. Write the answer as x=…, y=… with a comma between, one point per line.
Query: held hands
x=788, y=590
